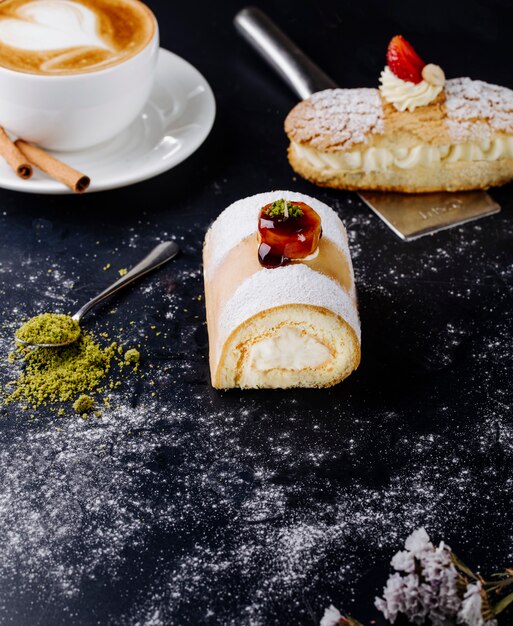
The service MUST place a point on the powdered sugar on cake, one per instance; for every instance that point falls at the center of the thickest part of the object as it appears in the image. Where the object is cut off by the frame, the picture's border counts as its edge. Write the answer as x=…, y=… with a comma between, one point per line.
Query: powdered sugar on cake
x=291, y=284
x=240, y=220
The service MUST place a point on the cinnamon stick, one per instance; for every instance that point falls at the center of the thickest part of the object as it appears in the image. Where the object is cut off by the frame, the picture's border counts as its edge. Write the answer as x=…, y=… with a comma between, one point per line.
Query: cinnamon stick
x=13, y=155
x=74, y=179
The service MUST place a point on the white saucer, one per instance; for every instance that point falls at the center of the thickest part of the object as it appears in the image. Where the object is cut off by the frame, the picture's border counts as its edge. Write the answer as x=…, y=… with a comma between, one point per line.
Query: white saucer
x=174, y=123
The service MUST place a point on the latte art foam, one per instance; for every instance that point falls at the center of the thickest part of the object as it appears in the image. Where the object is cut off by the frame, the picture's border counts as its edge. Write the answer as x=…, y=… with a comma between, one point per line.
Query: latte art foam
x=71, y=36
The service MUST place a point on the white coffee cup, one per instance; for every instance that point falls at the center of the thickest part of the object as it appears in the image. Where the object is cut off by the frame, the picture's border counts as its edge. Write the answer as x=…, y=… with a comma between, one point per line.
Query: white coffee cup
x=76, y=111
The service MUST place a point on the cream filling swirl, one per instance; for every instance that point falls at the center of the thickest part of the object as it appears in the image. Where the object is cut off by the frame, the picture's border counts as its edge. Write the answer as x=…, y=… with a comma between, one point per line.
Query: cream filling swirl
x=405, y=95
x=288, y=349
x=378, y=159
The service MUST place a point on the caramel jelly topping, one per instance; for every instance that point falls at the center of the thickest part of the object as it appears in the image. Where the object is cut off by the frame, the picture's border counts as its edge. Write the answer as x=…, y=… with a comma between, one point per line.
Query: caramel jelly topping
x=288, y=231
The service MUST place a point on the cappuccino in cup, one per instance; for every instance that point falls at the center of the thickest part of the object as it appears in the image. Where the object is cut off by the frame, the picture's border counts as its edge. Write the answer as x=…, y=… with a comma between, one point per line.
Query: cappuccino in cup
x=74, y=73
x=53, y=37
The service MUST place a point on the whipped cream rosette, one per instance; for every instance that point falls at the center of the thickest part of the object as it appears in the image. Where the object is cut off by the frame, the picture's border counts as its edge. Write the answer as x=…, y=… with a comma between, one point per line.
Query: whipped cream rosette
x=407, y=82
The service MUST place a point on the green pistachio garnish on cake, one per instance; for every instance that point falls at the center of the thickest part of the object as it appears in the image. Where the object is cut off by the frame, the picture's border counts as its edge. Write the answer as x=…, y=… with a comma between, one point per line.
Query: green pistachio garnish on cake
x=283, y=209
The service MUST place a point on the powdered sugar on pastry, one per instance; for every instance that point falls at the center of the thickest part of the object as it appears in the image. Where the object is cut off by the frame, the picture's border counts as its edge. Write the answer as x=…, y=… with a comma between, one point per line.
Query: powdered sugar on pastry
x=475, y=109
x=240, y=220
x=336, y=118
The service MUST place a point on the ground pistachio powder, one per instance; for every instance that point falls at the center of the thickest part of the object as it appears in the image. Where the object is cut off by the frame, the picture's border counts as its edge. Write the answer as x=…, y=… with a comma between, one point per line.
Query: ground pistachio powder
x=58, y=374
x=50, y=375
x=132, y=356
x=51, y=328
x=83, y=404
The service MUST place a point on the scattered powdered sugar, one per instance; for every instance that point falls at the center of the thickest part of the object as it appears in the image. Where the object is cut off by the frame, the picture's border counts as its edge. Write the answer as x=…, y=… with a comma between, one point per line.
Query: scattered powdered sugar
x=240, y=220
x=196, y=507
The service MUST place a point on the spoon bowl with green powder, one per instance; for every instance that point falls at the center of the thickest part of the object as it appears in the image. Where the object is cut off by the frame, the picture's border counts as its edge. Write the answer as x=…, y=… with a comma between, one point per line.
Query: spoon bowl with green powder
x=49, y=330
x=55, y=330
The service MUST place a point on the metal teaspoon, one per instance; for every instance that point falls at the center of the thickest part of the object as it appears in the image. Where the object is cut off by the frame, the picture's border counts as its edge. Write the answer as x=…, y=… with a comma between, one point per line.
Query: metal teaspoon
x=162, y=253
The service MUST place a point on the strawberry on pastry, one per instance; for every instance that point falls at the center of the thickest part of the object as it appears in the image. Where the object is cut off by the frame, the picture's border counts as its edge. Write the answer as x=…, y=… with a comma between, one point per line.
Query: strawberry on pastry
x=404, y=62
x=407, y=82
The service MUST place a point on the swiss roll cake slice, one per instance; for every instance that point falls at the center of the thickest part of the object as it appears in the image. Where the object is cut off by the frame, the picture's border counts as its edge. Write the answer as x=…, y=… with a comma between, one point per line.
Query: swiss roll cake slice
x=280, y=294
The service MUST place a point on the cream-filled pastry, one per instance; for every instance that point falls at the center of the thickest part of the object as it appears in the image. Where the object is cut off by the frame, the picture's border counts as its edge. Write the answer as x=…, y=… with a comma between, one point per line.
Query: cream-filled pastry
x=417, y=133
x=280, y=294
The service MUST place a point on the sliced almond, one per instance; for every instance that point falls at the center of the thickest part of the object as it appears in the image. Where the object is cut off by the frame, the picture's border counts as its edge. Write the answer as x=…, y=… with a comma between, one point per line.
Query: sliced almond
x=433, y=74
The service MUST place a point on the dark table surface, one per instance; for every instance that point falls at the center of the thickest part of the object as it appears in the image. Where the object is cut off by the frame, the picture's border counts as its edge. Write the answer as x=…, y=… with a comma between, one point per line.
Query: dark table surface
x=183, y=505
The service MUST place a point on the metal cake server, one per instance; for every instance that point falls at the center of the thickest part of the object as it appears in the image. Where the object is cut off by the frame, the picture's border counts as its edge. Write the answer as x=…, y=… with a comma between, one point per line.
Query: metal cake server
x=162, y=253
x=409, y=216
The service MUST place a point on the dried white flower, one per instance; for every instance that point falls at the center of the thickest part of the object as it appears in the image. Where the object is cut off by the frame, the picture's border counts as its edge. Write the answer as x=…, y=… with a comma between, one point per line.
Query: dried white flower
x=417, y=599
x=331, y=617
x=428, y=588
x=442, y=577
x=418, y=542
x=392, y=602
x=403, y=561
x=471, y=611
